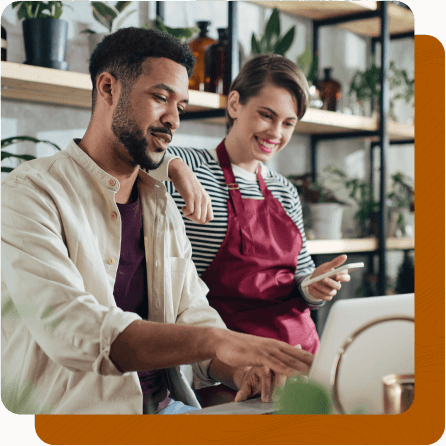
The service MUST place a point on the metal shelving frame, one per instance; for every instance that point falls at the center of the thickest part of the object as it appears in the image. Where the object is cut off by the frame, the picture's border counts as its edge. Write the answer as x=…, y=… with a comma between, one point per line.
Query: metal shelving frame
x=382, y=133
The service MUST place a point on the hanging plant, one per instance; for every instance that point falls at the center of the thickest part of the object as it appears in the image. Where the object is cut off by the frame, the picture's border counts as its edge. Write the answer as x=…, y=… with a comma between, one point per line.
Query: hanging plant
x=271, y=41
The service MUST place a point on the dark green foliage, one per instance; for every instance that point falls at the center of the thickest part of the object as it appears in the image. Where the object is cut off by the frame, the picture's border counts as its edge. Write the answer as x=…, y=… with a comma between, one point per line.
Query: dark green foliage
x=16, y=139
x=271, y=41
x=34, y=10
x=301, y=397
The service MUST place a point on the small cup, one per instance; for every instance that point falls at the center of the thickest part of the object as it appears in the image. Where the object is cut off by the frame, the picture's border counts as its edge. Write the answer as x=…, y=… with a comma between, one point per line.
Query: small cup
x=398, y=393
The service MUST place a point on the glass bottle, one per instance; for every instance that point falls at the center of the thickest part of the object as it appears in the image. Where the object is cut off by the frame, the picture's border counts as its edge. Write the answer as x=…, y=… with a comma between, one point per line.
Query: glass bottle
x=198, y=47
x=216, y=65
x=4, y=43
x=330, y=91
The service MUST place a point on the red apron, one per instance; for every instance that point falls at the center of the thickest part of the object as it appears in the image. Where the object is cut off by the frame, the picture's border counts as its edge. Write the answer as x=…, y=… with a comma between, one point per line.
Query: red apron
x=251, y=279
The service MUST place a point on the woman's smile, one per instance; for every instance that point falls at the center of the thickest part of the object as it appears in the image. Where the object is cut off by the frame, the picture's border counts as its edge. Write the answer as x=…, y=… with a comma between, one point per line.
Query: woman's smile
x=266, y=145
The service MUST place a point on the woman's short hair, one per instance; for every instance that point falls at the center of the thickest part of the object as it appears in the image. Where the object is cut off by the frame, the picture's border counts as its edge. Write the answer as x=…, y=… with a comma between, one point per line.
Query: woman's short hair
x=270, y=68
x=122, y=53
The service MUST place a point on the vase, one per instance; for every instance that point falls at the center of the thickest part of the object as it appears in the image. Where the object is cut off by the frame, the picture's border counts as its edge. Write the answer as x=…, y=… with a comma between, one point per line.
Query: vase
x=216, y=65
x=45, y=42
x=327, y=220
x=329, y=91
x=198, y=47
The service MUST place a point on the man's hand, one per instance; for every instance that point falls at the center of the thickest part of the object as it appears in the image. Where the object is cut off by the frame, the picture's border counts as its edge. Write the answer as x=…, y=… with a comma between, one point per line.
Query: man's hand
x=252, y=381
x=243, y=350
x=255, y=381
x=198, y=206
x=327, y=288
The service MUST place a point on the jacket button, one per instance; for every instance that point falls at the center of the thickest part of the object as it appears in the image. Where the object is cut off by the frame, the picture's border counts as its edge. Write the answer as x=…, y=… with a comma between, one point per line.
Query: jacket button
x=114, y=215
x=111, y=260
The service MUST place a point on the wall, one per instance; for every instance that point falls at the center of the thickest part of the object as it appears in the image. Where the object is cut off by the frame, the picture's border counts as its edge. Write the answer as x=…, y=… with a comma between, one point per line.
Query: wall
x=344, y=51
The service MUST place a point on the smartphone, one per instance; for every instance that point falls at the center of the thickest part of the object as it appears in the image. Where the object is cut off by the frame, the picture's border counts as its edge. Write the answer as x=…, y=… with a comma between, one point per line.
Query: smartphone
x=349, y=268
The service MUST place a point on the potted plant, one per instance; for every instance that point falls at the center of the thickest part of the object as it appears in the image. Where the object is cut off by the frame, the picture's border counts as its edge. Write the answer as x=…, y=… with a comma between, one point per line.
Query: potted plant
x=324, y=205
x=402, y=199
x=111, y=17
x=308, y=63
x=271, y=41
x=366, y=86
x=402, y=86
x=44, y=33
x=182, y=34
x=16, y=139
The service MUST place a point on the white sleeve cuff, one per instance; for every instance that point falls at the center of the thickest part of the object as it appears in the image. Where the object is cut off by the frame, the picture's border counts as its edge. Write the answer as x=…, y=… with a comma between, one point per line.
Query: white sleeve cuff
x=162, y=173
x=307, y=296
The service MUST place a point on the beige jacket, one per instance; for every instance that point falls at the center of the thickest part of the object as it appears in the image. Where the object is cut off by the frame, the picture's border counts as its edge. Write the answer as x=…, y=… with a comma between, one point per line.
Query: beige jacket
x=60, y=254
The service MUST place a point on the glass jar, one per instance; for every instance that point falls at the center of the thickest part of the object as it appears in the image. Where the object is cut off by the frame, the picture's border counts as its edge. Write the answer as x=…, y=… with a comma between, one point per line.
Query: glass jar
x=216, y=65
x=198, y=47
x=330, y=91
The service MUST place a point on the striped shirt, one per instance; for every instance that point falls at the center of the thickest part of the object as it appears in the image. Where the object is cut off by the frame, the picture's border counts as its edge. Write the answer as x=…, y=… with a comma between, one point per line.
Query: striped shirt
x=207, y=239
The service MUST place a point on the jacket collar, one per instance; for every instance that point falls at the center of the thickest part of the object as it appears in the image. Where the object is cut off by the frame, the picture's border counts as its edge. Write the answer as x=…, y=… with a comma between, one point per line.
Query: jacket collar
x=106, y=180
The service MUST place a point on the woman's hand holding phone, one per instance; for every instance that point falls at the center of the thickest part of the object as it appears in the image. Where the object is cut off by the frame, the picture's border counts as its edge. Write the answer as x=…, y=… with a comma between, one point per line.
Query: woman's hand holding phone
x=327, y=287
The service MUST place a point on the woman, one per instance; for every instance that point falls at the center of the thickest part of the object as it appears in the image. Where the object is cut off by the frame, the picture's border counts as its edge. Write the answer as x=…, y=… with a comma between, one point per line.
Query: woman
x=253, y=255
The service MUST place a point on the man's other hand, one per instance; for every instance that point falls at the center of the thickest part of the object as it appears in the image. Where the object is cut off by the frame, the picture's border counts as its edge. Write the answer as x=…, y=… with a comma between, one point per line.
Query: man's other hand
x=198, y=206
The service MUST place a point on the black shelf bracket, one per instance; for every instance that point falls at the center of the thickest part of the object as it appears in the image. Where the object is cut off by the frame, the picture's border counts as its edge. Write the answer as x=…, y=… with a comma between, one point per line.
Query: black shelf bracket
x=203, y=114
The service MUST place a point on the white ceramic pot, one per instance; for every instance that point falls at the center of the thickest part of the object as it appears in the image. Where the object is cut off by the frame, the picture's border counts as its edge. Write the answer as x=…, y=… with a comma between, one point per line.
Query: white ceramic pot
x=327, y=220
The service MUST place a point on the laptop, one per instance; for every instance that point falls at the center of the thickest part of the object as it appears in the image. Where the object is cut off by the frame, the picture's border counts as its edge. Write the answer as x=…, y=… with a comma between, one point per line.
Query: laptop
x=384, y=348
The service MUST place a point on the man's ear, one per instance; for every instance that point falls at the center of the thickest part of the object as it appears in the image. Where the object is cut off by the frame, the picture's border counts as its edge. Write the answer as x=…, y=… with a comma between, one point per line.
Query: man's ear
x=108, y=89
x=233, y=104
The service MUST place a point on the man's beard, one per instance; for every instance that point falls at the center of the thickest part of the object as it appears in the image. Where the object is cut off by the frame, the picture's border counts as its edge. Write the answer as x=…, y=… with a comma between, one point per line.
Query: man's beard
x=132, y=137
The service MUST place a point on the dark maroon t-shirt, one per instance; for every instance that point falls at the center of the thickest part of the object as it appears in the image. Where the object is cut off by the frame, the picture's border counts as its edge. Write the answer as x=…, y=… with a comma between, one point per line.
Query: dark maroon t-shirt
x=131, y=288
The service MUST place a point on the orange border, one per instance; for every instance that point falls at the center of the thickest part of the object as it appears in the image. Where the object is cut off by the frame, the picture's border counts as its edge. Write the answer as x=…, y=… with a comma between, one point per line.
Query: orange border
x=423, y=423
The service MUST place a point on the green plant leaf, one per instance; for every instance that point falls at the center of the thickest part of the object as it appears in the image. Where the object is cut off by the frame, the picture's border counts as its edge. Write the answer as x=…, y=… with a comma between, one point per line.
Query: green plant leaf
x=15, y=139
x=180, y=33
x=120, y=6
x=283, y=45
x=104, y=14
x=7, y=169
x=255, y=47
x=305, y=60
x=117, y=25
x=6, y=155
x=273, y=25
x=300, y=397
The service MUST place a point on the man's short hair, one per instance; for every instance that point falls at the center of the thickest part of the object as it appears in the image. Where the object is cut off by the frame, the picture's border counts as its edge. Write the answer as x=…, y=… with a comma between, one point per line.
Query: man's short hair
x=122, y=53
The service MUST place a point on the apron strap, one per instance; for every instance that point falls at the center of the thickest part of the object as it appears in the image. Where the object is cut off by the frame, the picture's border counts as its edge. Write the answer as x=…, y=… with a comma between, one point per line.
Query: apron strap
x=236, y=198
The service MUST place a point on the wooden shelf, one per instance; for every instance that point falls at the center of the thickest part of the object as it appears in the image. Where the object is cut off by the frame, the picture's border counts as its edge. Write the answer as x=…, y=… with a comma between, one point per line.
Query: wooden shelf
x=38, y=84
x=401, y=20
x=357, y=245
x=319, y=122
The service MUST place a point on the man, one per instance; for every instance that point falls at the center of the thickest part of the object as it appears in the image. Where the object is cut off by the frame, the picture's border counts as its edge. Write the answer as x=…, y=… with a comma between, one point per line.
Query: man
x=92, y=245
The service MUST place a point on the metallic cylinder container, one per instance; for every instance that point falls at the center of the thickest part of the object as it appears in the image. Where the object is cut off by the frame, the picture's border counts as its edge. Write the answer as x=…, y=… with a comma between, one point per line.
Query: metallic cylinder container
x=398, y=393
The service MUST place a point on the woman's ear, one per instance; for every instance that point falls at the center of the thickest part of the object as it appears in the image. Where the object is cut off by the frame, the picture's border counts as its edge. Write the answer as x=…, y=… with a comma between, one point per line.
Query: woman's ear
x=108, y=88
x=233, y=104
